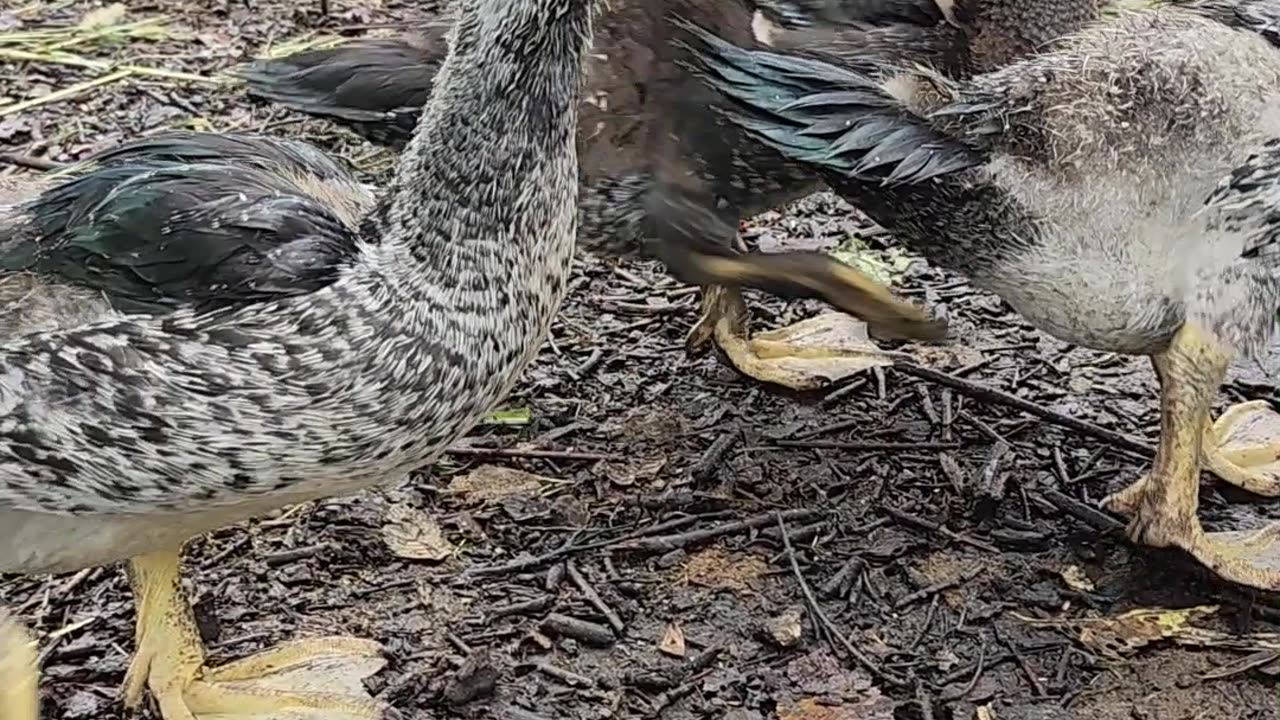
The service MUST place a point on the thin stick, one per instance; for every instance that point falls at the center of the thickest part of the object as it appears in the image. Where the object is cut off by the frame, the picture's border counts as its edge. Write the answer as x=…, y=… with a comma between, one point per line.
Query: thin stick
x=981, y=392
x=820, y=617
x=516, y=453
x=30, y=161
x=594, y=598
x=664, y=543
x=64, y=93
x=61, y=58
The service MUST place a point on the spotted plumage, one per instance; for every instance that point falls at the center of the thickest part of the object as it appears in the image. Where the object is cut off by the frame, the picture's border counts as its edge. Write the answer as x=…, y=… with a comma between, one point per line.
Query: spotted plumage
x=262, y=344
x=192, y=219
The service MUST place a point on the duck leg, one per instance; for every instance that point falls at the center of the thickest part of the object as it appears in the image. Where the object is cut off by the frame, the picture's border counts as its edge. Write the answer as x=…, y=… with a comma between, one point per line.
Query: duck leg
x=798, y=355
x=698, y=241
x=18, y=697
x=294, y=680
x=1164, y=502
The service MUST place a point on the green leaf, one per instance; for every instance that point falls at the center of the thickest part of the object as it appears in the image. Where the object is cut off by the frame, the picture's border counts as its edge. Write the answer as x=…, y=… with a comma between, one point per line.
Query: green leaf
x=883, y=266
x=511, y=416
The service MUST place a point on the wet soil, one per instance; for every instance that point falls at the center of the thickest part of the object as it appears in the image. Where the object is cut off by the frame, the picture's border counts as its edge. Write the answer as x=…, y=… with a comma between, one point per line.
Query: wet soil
x=695, y=545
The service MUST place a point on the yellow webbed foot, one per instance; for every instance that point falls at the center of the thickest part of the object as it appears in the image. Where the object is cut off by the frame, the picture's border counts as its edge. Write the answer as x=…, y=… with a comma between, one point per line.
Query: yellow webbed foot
x=802, y=356
x=1249, y=558
x=19, y=699
x=1243, y=448
x=1164, y=502
x=313, y=679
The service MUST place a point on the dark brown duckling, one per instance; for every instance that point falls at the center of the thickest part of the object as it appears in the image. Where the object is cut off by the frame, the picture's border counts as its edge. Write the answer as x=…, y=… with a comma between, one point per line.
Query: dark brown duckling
x=637, y=93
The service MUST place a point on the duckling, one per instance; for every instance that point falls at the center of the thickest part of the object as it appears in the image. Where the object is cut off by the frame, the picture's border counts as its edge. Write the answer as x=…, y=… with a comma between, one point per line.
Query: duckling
x=636, y=93
x=18, y=697
x=1120, y=190
x=343, y=353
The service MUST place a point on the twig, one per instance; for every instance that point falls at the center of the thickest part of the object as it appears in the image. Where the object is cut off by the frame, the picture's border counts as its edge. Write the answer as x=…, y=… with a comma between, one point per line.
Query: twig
x=866, y=446
x=77, y=61
x=517, y=453
x=973, y=681
x=991, y=485
x=584, y=630
x=594, y=598
x=284, y=557
x=534, y=561
x=706, y=466
x=30, y=161
x=940, y=529
x=1082, y=512
x=1021, y=659
x=664, y=543
x=524, y=607
x=925, y=702
x=839, y=583
x=820, y=618
x=567, y=677
x=982, y=392
x=64, y=93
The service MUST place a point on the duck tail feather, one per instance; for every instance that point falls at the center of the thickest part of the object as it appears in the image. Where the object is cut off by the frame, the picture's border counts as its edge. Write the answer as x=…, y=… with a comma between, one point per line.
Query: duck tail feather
x=833, y=118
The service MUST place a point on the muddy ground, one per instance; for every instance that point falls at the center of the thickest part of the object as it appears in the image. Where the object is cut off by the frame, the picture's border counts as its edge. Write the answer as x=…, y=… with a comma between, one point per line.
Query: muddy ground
x=928, y=575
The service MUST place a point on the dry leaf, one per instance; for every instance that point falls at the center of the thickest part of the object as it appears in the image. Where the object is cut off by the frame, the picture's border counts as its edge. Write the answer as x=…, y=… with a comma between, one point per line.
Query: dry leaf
x=496, y=482
x=672, y=641
x=985, y=713
x=785, y=630
x=1076, y=579
x=839, y=345
x=1120, y=635
x=627, y=475
x=413, y=534
x=103, y=17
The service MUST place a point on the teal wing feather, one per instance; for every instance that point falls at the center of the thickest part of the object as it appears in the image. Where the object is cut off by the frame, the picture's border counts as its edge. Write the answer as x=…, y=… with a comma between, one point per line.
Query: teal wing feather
x=187, y=219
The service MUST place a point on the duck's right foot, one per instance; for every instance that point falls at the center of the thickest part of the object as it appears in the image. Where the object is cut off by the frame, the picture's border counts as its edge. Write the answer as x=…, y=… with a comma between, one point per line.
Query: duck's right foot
x=1164, y=502
x=802, y=356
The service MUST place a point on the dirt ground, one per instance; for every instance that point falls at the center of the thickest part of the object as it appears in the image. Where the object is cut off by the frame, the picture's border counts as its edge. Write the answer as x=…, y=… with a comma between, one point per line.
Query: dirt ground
x=941, y=547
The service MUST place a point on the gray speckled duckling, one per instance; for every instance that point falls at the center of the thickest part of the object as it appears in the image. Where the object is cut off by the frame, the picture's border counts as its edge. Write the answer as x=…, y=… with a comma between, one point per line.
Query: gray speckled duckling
x=1121, y=191
x=347, y=354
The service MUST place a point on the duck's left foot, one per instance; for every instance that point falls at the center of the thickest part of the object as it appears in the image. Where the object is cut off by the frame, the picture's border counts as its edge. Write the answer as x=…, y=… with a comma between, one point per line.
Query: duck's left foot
x=313, y=679
x=802, y=356
x=1243, y=448
x=1250, y=558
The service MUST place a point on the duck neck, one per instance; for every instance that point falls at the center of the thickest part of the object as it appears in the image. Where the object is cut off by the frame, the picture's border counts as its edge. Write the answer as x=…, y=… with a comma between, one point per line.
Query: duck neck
x=485, y=194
